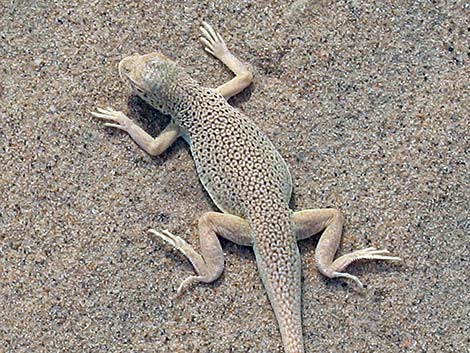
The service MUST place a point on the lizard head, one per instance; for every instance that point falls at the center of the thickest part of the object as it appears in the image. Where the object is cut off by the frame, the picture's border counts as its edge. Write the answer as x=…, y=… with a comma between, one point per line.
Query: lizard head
x=152, y=77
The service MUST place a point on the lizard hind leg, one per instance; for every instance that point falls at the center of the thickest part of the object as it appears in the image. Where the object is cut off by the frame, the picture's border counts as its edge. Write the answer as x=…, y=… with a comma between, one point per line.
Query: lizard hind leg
x=309, y=222
x=209, y=264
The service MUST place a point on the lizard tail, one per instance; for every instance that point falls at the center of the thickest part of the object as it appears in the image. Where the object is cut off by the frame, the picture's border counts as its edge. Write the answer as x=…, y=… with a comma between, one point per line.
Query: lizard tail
x=278, y=260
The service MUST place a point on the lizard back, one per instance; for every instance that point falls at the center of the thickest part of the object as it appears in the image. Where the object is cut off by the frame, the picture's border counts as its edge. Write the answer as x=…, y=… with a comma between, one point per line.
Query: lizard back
x=235, y=161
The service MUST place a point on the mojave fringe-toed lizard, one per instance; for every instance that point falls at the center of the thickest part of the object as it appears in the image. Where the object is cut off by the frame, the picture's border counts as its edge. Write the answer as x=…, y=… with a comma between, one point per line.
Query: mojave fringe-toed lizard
x=244, y=175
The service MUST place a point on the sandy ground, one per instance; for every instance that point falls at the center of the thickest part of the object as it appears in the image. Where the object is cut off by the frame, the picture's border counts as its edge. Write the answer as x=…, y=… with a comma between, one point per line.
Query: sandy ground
x=368, y=103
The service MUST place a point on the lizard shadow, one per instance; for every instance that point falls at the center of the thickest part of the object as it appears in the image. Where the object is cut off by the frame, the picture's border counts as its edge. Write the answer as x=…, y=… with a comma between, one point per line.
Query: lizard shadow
x=242, y=97
x=153, y=122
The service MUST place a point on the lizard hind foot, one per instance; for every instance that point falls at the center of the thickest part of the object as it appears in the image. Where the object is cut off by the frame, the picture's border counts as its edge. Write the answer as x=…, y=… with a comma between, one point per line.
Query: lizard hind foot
x=372, y=254
x=364, y=254
x=187, y=250
x=176, y=242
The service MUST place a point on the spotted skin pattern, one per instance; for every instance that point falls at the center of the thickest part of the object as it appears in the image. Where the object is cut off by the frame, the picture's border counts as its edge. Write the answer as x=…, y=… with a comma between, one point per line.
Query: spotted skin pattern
x=244, y=175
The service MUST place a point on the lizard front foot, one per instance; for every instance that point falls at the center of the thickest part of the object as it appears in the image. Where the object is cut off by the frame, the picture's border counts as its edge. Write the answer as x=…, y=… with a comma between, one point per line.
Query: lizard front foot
x=214, y=44
x=117, y=119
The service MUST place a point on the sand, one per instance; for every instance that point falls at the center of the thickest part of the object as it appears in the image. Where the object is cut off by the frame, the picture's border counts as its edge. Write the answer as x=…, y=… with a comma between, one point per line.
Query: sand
x=367, y=102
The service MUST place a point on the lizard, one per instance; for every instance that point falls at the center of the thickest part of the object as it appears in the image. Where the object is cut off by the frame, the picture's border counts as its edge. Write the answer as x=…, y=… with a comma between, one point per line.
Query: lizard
x=244, y=175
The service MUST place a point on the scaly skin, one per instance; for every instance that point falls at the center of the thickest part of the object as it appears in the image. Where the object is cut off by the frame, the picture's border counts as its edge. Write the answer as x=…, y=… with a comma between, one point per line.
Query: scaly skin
x=244, y=175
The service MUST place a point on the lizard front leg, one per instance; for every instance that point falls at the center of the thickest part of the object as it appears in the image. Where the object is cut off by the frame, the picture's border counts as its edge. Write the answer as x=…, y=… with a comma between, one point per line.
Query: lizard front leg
x=209, y=264
x=153, y=146
x=309, y=222
x=215, y=45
